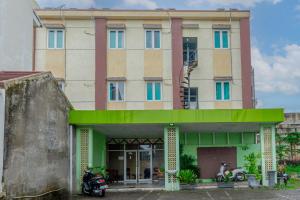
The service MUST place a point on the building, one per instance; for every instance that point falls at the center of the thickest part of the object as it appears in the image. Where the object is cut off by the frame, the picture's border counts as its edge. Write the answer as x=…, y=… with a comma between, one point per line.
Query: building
x=34, y=139
x=131, y=73
x=290, y=125
x=16, y=50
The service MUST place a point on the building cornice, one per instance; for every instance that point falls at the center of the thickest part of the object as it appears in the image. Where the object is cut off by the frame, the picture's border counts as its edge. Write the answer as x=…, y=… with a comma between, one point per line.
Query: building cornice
x=141, y=14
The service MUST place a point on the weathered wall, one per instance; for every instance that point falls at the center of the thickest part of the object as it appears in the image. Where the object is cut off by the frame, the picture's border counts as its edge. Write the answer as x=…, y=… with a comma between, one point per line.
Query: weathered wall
x=36, y=157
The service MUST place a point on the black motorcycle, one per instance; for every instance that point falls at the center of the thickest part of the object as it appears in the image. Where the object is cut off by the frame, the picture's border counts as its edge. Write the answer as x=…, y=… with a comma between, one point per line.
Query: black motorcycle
x=93, y=185
x=281, y=176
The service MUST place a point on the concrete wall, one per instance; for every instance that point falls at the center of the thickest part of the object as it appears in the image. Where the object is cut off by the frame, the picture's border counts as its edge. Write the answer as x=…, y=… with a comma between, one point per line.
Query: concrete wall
x=16, y=35
x=36, y=158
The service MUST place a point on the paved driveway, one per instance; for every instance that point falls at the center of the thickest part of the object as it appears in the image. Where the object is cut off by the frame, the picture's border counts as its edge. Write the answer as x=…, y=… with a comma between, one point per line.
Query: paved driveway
x=218, y=194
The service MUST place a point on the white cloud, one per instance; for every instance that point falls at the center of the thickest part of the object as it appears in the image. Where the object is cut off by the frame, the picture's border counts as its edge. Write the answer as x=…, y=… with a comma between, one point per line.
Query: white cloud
x=280, y=73
x=214, y=3
x=67, y=3
x=149, y=4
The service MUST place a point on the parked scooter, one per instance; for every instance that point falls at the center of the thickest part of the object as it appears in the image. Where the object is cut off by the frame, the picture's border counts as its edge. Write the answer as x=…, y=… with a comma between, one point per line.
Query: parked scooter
x=283, y=176
x=93, y=185
x=238, y=174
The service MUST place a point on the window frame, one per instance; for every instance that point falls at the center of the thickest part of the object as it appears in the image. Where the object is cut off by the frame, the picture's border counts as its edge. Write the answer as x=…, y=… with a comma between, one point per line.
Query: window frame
x=55, y=37
x=222, y=90
x=117, y=88
x=152, y=38
x=221, y=38
x=116, y=39
x=154, y=91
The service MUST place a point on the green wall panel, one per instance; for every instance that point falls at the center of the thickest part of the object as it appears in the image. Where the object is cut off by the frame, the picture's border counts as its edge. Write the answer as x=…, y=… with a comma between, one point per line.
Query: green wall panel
x=221, y=138
x=206, y=139
x=248, y=138
x=99, y=150
x=235, y=138
x=192, y=139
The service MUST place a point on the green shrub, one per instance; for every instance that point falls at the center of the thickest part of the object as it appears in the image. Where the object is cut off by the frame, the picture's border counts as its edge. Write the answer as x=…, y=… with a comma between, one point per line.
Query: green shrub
x=187, y=176
x=251, y=164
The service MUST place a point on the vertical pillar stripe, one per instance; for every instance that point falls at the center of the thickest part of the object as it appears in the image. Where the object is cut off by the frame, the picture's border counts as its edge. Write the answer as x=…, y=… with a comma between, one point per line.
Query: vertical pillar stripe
x=247, y=85
x=100, y=64
x=177, y=60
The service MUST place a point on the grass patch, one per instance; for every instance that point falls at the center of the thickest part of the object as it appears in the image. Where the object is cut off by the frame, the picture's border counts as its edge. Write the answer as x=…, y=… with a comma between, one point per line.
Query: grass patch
x=292, y=169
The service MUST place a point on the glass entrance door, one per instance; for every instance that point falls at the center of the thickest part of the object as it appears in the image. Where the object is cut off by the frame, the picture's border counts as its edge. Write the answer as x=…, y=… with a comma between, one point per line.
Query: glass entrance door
x=145, y=163
x=131, y=166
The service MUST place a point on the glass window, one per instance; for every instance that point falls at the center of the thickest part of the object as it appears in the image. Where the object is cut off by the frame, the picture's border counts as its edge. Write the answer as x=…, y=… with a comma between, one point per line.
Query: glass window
x=225, y=39
x=149, y=91
x=156, y=39
x=157, y=91
x=116, y=39
x=223, y=90
x=154, y=91
x=148, y=39
x=116, y=91
x=51, y=39
x=221, y=39
x=217, y=39
x=152, y=39
x=55, y=39
x=120, y=39
x=219, y=91
x=226, y=91
x=112, y=39
x=59, y=39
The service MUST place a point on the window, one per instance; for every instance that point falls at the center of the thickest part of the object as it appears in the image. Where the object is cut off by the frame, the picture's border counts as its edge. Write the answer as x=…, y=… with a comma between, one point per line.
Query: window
x=152, y=39
x=221, y=39
x=154, y=91
x=116, y=39
x=55, y=38
x=193, y=98
x=189, y=50
x=223, y=90
x=116, y=90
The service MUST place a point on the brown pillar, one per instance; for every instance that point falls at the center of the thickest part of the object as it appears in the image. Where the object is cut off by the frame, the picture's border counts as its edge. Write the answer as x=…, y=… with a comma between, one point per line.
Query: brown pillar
x=177, y=61
x=247, y=84
x=100, y=64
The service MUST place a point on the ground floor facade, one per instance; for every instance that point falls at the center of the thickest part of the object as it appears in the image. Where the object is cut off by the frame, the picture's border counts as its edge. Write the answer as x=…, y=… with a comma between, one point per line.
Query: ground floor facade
x=146, y=146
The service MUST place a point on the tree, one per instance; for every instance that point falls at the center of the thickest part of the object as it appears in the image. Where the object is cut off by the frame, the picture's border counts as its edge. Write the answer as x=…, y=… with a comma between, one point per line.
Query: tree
x=293, y=140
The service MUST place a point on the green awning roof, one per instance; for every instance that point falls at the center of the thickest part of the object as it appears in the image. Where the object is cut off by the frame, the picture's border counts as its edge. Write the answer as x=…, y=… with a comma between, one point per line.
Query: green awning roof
x=96, y=117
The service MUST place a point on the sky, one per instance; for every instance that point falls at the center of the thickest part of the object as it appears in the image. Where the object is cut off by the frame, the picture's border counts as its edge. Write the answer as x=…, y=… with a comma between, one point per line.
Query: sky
x=275, y=40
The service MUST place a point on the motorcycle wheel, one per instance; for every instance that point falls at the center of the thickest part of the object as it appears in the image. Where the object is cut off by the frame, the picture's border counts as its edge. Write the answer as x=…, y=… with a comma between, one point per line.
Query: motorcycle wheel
x=240, y=177
x=103, y=193
x=84, y=191
x=219, y=179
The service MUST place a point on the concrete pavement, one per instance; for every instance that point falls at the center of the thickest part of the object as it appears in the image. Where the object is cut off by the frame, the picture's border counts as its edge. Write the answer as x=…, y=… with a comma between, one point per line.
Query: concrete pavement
x=213, y=194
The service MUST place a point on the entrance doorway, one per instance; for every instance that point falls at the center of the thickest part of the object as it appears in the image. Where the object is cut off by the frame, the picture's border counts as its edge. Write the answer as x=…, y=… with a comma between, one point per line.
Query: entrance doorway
x=138, y=166
x=130, y=163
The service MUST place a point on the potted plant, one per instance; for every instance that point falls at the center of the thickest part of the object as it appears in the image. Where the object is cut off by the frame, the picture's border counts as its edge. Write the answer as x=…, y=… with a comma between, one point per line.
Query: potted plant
x=254, y=175
x=187, y=178
x=227, y=182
